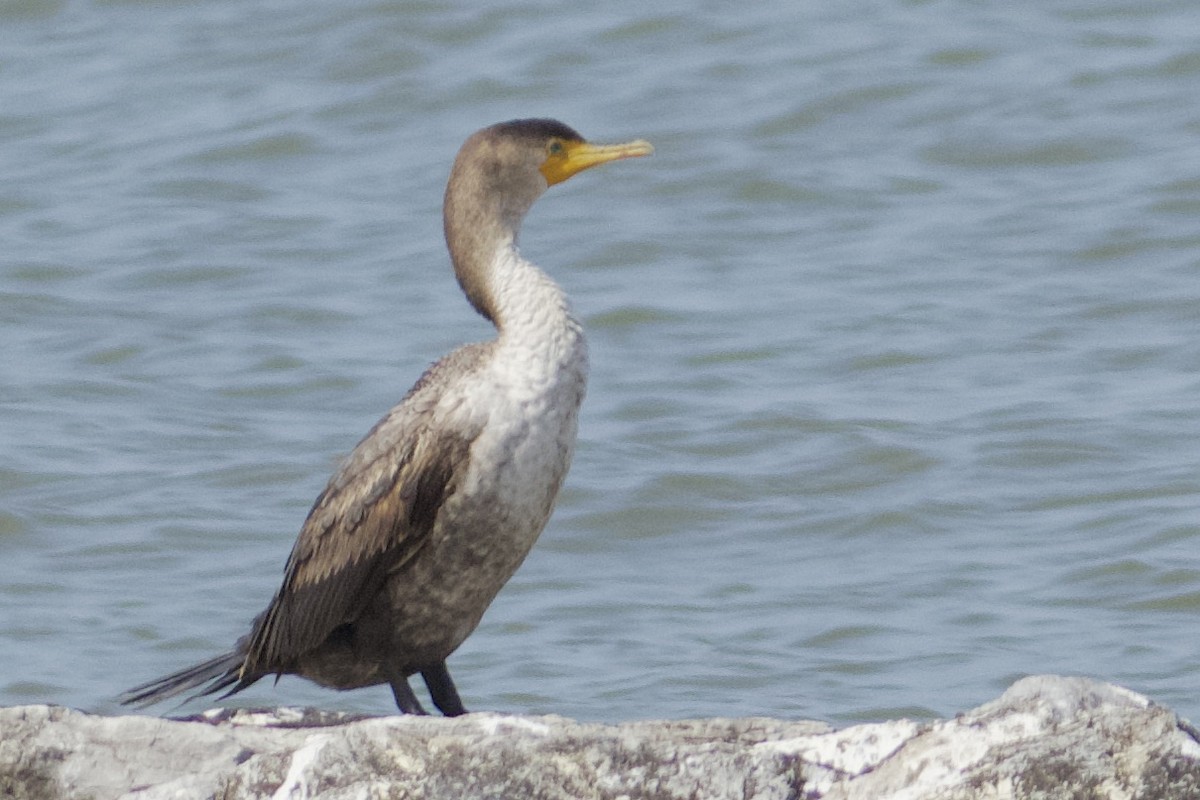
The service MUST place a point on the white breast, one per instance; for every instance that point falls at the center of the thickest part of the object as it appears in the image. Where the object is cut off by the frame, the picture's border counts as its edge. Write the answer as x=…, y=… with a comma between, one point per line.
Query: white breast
x=524, y=401
x=529, y=393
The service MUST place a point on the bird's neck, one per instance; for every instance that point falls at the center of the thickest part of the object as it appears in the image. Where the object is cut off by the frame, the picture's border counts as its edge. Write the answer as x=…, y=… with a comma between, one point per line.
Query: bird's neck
x=483, y=247
x=530, y=310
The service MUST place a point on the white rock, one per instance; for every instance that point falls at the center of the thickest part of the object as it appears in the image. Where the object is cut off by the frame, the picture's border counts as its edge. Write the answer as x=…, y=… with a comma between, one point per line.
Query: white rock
x=1047, y=737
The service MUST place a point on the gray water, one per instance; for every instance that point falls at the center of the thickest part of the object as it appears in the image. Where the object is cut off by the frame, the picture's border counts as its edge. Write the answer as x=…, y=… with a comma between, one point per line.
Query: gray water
x=896, y=339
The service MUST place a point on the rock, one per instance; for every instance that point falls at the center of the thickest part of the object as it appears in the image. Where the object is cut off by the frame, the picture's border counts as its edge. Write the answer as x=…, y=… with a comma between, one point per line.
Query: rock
x=1046, y=737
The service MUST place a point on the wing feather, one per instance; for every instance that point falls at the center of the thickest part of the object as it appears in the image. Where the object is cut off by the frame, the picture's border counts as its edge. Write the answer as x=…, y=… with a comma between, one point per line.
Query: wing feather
x=375, y=514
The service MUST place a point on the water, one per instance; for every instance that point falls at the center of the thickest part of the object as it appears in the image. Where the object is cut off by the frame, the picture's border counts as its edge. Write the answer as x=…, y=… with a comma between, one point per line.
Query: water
x=896, y=339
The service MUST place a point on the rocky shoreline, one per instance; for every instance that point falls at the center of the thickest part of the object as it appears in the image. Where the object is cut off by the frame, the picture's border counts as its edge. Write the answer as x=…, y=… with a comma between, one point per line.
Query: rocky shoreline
x=1046, y=737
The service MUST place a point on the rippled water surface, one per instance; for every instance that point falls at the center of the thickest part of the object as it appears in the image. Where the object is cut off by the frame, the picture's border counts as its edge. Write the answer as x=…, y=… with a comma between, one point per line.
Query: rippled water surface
x=896, y=339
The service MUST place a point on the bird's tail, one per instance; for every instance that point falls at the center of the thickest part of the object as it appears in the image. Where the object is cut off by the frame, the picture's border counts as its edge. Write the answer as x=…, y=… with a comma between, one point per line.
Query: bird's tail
x=219, y=673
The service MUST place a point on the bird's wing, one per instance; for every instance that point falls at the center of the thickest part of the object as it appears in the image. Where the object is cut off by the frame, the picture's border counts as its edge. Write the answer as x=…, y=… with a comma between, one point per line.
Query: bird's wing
x=375, y=514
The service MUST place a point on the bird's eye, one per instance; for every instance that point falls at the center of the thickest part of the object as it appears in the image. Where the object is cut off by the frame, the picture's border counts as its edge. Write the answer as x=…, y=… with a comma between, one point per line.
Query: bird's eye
x=556, y=148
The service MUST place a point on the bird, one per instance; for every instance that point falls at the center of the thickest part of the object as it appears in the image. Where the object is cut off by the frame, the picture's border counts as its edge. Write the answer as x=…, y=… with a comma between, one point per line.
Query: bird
x=439, y=504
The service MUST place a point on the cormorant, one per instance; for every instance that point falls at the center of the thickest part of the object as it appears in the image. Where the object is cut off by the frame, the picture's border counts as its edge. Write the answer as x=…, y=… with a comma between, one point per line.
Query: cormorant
x=435, y=509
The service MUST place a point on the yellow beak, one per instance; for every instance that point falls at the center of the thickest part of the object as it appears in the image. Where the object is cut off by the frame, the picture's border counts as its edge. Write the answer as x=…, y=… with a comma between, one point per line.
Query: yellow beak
x=575, y=157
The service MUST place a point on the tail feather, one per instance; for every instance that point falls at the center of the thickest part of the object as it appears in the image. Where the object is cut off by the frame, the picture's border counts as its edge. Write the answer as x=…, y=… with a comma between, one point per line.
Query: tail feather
x=219, y=673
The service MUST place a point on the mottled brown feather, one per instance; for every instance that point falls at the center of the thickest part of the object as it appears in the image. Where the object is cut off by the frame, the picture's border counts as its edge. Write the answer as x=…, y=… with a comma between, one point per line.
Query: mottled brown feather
x=374, y=516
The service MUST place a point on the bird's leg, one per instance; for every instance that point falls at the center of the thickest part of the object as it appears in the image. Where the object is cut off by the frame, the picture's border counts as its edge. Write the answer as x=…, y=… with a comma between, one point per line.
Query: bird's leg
x=406, y=701
x=441, y=689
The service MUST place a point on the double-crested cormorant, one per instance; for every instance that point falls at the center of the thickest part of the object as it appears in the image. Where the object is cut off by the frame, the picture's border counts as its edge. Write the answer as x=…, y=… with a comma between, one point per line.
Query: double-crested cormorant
x=436, y=508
